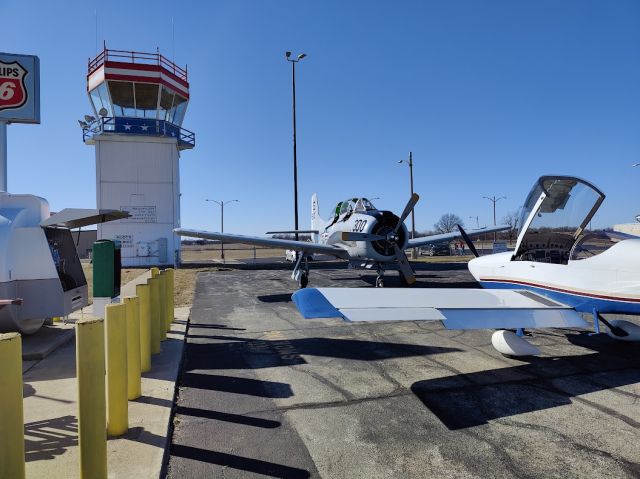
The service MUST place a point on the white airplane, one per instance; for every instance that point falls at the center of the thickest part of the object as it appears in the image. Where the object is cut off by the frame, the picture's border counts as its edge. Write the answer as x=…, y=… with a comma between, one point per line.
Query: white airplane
x=557, y=271
x=358, y=232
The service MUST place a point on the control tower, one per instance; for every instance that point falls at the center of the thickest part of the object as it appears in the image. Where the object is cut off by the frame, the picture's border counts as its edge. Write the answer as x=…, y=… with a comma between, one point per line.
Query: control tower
x=139, y=101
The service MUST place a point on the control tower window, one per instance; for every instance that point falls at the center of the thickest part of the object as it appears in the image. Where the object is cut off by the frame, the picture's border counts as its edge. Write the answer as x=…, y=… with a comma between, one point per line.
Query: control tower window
x=179, y=109
x=100, y=99
x=166, y=102
x=122, y=98
x=146, y=100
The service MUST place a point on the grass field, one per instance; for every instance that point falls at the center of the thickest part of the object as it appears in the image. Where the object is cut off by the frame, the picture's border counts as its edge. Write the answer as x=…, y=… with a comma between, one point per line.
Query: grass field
x=184, y=280
x=206, y=253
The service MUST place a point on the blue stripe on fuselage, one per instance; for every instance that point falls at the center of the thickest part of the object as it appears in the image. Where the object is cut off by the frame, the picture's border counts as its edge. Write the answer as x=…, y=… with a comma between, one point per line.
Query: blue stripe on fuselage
x=584, y=304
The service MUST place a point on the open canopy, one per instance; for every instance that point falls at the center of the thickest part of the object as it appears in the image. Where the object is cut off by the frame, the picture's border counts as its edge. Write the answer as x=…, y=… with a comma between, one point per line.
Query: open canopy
x=555, y=214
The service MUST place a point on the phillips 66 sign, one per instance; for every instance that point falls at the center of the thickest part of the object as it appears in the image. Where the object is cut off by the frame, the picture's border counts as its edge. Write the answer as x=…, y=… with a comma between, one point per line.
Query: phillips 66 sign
x=19, y=88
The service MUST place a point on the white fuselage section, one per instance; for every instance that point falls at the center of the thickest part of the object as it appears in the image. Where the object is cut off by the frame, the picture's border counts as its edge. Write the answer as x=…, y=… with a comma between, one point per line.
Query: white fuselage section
x=610, y=279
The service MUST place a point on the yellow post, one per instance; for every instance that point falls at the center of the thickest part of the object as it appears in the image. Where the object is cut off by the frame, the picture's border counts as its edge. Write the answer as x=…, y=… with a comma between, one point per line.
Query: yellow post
x=170, y=304
x=155, y=272
x=144, y=293
x=162, y=305
x=92, y=409
x=155, y=316
x=134, y=390
x=116, y=347
x=11, y=413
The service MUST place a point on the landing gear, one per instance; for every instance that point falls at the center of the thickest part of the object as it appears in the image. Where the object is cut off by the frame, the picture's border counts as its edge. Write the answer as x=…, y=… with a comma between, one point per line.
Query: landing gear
x=303, y=279
x=380, y=277
x=301, y=271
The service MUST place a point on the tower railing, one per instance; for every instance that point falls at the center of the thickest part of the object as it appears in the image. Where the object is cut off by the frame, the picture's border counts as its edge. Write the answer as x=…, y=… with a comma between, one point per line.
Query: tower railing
x=140, y=126
x=136, y=57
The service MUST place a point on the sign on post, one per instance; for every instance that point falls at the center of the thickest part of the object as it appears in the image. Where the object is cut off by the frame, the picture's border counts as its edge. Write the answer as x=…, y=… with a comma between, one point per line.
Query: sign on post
x=19, y=88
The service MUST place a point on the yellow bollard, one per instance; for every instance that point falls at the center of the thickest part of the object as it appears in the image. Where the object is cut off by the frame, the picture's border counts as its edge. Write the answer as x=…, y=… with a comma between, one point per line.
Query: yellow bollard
x=155, y=326
x=162, y=305
x=143, y=291
x=92, y=409
x=116, y=348
x=134, y=386
x=170, y=305
x=155, y=272
x=11, y=413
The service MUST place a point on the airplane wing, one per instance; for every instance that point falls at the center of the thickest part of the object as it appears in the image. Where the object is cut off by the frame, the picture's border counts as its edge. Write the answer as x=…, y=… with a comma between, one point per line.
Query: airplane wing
x=306, y=246
x=456, y=308
x=426, y=240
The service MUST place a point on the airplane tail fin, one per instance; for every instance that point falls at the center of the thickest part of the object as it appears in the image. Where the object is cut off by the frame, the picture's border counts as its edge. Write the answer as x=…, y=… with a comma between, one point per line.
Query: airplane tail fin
x=317, y=223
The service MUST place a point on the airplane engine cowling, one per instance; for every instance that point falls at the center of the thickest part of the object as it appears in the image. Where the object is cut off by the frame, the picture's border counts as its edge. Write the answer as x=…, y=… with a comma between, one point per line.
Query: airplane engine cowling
x=386, y=222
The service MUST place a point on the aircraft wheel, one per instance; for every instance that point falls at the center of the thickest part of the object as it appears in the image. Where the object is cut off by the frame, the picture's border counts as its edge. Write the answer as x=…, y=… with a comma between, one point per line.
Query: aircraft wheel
x=303, y=281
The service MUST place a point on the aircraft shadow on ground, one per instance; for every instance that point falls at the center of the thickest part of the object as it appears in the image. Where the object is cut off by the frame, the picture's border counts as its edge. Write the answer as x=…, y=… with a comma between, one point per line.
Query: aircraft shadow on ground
x=245, y=353
x=474, y=399
x=237, y=462
x=44, y=440
x=236, y=385
x=275, y=298
x=228, y=417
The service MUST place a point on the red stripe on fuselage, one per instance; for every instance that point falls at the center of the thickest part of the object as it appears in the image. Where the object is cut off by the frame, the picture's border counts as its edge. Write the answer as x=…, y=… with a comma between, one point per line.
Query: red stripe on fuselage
x=561, y=290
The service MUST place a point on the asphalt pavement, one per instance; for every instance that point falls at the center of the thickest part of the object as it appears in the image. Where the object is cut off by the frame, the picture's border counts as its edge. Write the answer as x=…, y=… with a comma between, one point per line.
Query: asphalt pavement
x=264, y=393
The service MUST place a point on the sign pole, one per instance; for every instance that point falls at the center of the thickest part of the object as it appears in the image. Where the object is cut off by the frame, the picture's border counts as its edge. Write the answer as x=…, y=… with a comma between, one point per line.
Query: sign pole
x=3, y=156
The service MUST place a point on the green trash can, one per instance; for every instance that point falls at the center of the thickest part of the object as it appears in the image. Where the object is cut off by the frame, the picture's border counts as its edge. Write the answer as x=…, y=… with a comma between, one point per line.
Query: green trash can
x=106, y=269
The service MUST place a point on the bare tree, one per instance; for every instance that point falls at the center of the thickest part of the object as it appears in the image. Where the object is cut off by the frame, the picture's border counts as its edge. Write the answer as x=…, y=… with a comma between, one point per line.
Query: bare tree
x=512, y=220
x=447, y=223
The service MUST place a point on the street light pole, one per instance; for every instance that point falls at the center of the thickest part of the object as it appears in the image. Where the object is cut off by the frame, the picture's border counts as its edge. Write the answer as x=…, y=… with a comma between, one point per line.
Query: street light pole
x=413, y=218
x=295, y=154
x=222, y=203
x=494, y=200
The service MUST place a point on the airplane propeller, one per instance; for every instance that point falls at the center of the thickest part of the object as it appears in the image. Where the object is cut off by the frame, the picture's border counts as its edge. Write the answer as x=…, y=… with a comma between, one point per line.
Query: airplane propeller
x=391, y=239
x=407, y=209
x=403, y=265
x=467, y=240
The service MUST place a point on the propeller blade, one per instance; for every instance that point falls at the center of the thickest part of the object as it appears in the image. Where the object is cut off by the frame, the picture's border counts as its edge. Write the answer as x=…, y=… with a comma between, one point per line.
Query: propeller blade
x=467, y=240
x=403, y=265
x=407, y=209
x=353, y=236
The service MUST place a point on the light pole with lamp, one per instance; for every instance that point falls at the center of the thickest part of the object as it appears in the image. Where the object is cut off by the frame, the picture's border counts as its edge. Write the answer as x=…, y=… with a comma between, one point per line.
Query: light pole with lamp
x=413, y=219
x=222, y=203
x=494, y=200
x=295, y=159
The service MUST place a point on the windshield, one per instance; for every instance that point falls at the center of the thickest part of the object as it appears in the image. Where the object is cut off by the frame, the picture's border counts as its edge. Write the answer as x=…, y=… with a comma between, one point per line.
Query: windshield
x=569, y=204
x=363, y=204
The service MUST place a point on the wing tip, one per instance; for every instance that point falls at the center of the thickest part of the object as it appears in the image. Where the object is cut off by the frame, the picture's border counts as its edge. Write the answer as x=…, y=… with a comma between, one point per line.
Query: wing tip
x=313, y=304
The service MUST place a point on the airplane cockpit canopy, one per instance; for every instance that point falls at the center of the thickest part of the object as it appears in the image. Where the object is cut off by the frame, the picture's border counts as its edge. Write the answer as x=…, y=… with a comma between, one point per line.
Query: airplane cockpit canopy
x=356, y=205
x=554, y=217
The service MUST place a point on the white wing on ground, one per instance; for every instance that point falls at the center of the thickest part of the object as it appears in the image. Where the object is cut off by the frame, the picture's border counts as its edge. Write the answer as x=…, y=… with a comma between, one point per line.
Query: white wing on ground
x=272, y=242
x=456, y=308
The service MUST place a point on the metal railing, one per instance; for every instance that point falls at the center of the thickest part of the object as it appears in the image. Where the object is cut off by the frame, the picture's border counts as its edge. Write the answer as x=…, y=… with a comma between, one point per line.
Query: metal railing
x=140, y=126
x=136, y=57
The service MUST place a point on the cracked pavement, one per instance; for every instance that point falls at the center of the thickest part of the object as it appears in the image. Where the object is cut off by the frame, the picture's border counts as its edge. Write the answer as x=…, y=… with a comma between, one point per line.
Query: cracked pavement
x=264, y=393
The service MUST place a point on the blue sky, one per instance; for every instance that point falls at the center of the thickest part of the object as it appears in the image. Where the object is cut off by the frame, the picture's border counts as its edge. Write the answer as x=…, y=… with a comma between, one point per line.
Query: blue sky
x=488, y=95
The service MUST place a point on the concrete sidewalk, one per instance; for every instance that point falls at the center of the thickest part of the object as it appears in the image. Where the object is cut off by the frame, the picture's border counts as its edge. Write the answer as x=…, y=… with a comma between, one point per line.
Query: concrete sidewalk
x=50, y=409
